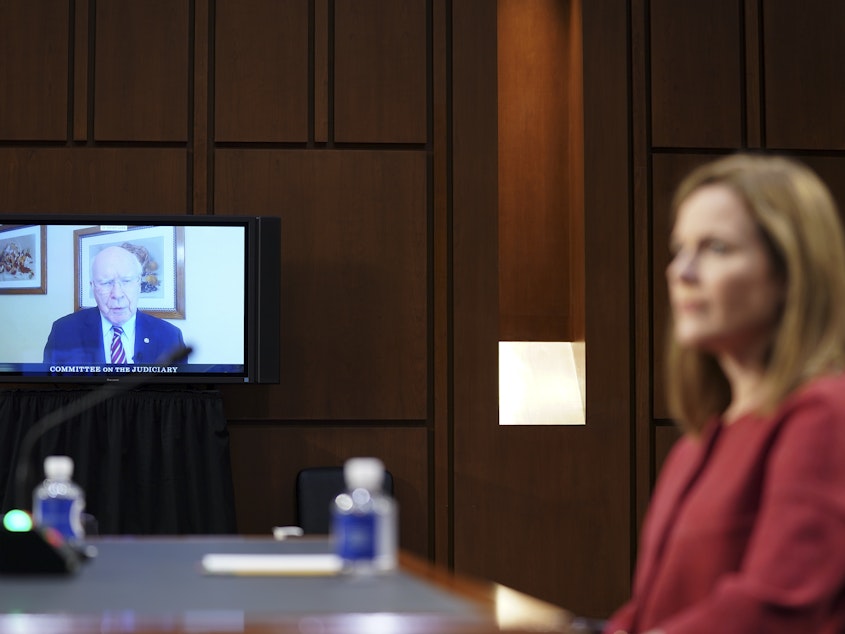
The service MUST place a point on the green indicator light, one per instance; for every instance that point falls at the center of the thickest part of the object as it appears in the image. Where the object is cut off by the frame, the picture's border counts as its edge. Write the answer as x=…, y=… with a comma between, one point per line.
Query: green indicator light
x=16, y=521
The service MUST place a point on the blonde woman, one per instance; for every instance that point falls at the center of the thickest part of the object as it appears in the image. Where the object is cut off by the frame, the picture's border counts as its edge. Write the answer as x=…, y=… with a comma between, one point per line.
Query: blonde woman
x=746, y=529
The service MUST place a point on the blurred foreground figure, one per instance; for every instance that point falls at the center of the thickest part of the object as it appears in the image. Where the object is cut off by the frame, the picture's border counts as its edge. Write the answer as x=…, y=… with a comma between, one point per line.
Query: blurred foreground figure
x=746, y=529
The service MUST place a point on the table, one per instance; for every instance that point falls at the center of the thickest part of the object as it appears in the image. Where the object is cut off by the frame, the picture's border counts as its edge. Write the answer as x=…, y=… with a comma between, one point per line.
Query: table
x=155, y=585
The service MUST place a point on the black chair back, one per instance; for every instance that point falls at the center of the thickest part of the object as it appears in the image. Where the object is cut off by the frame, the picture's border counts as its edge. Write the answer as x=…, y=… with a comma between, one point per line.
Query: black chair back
x=316, y=489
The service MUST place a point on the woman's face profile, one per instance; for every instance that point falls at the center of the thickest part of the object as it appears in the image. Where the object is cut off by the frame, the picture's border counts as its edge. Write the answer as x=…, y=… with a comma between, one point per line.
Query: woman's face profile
x=725, y=297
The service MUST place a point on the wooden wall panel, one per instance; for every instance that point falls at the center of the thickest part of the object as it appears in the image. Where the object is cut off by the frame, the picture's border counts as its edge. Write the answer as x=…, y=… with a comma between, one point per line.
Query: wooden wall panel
x=608, y=307
x=696, y=73
x=539, y=264
x=476, y=329
x=141, y=87
x=804, y=53
x=575, y=155
x=81, y=67
x=261, y=88
x=266, y=459
x=390, y=279
x=354, y=279
x=530, y=504
x=33, y=70
x=380, y=71
x=97, y=180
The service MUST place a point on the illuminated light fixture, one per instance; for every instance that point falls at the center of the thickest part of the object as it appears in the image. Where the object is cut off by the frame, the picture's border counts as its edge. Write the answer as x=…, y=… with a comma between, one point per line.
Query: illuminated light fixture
x=541, y=383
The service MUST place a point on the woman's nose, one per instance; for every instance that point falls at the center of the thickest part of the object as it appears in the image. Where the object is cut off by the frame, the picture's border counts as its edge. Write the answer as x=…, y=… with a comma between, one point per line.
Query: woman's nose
x=684, y=266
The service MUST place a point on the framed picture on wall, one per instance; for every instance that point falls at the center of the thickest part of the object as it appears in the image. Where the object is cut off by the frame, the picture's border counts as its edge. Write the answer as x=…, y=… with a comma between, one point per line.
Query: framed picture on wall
x=161, y=252
x=23, y=259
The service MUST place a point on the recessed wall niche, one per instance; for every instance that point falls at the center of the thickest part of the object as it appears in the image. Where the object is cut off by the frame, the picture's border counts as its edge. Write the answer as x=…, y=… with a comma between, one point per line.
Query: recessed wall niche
x=541, y=206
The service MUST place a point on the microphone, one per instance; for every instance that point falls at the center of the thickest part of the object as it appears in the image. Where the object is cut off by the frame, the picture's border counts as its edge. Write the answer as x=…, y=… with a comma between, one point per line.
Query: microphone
x=26, y=549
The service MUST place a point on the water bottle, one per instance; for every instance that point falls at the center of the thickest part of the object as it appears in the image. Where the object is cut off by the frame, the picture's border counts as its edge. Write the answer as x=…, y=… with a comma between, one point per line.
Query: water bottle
x=365, y=519
x=58, y=501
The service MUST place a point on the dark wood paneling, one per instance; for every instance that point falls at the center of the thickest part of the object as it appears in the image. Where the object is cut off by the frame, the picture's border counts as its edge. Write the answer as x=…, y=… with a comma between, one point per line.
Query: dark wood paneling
x=97, y=180
x=141, y=79
x=608, y=310
x=200, y=143
x=546, y=506
x=538, y=273
x=475, y=289
x=33, y=70
x=441, y=294
x=381, y=72
x=81, y=59
x=696, y=73
x=575, y=153
x=266, y=459
x=354, y=279
x=641, y=245
x=390, y=297
x=543, y=503
x=261, y=70
x=753, y=76
x=804, y=54
x=321, y=71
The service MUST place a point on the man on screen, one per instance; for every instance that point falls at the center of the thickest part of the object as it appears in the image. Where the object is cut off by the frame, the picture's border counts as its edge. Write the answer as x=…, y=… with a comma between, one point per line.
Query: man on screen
x=113, y=332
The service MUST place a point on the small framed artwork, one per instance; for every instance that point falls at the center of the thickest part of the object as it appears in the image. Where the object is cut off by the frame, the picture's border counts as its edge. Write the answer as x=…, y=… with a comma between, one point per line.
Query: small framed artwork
x=161, y=252
x=23, y=259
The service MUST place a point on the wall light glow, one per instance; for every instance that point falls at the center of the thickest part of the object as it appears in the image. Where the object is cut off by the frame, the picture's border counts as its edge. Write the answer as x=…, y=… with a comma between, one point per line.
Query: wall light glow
x=541, y=383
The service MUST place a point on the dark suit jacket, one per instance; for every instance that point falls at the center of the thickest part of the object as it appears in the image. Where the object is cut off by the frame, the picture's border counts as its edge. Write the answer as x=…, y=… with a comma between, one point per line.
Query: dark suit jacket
x=78, y=338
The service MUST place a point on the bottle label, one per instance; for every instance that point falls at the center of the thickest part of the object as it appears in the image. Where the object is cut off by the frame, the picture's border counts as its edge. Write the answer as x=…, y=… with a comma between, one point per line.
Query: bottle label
x=355, y=536
x=59, y=513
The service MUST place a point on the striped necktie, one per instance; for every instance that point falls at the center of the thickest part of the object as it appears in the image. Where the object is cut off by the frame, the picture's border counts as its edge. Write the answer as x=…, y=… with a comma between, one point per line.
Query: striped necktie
x=118, y=355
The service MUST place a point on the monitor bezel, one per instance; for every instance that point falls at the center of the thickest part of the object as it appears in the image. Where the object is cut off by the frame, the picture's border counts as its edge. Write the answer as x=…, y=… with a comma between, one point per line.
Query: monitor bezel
x=261, y=299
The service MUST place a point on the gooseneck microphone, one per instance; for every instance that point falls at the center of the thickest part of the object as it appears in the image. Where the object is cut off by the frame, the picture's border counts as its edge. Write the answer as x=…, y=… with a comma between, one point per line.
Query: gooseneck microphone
x=37, y=550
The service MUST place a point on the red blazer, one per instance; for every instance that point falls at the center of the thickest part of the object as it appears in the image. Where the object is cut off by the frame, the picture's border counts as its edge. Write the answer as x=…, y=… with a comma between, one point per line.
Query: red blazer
x=746, y=529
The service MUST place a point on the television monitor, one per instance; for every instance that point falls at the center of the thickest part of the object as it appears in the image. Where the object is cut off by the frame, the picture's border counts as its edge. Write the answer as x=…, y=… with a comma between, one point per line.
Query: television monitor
x=210, y=283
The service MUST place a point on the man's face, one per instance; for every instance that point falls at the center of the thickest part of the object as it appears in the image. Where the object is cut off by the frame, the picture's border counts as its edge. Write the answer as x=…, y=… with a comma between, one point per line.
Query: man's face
x=116, y=281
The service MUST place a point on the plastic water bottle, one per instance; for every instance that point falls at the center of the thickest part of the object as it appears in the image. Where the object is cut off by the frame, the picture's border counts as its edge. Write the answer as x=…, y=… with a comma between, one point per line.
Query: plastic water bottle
x=58, y=501
x=365, y=519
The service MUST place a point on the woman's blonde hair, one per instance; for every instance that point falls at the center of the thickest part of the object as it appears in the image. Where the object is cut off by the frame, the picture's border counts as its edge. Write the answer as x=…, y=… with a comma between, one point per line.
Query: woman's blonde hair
x=798, y=220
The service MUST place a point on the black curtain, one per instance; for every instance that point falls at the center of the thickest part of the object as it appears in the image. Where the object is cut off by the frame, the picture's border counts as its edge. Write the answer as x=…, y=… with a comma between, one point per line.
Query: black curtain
x=151, y=461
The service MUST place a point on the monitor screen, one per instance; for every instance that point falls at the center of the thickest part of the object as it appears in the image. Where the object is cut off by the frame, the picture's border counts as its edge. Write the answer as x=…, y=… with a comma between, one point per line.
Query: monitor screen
x=104, y=299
